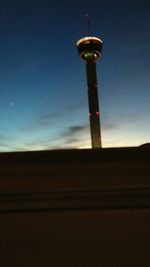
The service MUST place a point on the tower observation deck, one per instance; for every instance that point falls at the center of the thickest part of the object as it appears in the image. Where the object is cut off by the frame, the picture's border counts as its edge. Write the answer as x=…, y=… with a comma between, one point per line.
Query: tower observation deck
x=90, y=49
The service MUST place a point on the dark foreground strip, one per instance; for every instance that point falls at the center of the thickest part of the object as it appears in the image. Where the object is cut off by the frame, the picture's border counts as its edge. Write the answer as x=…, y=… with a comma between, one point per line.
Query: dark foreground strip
x=99, y=198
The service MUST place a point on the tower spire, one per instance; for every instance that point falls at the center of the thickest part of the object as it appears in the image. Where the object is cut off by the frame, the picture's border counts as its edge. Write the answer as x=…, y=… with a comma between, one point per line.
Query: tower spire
x=88, y=24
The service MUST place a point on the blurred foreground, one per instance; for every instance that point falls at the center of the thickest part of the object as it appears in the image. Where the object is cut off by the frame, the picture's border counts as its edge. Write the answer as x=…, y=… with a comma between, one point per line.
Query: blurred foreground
x=75, y=208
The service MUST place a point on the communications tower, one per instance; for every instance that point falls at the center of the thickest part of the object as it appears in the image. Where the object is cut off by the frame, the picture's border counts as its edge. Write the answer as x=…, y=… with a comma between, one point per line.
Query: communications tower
x=90, y=49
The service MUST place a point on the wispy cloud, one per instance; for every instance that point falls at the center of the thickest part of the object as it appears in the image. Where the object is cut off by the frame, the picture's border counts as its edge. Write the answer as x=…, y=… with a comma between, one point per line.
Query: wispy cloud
x=4, y=145
x=118, y=121
x=108, y=126
x=71, y=141
x=42, y=122
x=46, y=121
x=4, y=137
x=73, y=107
x=128, y=117
x=6, y=141
x=72, y=136
x=73, y=130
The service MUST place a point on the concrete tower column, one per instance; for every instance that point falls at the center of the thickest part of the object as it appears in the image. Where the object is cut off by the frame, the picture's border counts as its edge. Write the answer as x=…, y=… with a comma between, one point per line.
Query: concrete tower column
x=90, y=49
x=93, y=104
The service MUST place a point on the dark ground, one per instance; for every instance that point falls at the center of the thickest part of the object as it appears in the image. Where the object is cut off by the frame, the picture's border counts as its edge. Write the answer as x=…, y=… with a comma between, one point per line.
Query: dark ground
x=75, y=208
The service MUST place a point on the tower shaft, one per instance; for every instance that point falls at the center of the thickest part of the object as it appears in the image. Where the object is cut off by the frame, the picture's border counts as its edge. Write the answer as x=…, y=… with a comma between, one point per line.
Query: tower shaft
x=90, y=49
x=93, y=104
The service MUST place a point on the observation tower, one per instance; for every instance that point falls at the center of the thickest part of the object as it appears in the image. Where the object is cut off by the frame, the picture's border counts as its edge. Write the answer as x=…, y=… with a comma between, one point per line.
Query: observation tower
x=90, y=49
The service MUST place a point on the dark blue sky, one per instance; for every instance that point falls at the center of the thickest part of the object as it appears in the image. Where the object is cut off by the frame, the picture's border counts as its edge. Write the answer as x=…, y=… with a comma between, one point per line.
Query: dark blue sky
x=43, y=97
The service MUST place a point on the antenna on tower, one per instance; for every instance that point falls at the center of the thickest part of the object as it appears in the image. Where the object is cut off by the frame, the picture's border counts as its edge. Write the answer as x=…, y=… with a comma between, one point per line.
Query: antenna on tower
x=88, y=24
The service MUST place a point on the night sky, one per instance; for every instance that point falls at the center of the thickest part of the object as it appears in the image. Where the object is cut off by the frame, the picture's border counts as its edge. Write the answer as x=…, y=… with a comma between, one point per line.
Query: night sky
x=43, y=91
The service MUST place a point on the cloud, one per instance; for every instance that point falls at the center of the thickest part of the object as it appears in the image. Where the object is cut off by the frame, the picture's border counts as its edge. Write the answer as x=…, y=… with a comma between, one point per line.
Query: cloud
x=4, y=145
x=72, y=136
x=118, y=121
x=72, y=141
x=42, y=122
x=47, y=120
x=107, y=126
x=6, y=137
x=74, y=106
x=6, y=142
x=73, y=130
x=2, y=136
